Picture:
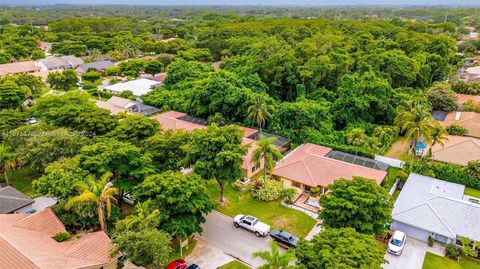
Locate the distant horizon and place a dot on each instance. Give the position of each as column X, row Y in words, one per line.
column 247, row 3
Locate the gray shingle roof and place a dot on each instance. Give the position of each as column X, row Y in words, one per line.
column 99, row 65
column 437, row 206
column 11, row 200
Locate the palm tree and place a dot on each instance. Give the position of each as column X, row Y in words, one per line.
column 268, row 152
column 259, row 111
column 143, row 219
column 437, row 136
column 416, row 122
column 275, row 259
column 5, row 158
column 99, row 193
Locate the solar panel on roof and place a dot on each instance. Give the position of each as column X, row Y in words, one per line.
column 194, row 119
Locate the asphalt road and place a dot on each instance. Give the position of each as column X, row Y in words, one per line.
column 239, row 243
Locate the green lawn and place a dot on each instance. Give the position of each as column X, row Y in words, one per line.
column 234, row 265
column 390, row 179
column 185, row 251
column 21, row 179
column 472, row 192
column 394, row 196
column 433, row 261
column 272, row 213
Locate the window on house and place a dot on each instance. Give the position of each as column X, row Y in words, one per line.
column 254, row 168
column 297, row 185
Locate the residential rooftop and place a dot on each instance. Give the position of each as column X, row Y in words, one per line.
column 437, row 206
column 11, row 200
column 457, row 149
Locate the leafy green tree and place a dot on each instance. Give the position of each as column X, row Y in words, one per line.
column 340, row 248
column 11, row 95
column 442, row 97
column 259, row 111
column 216, row 153
column 46, row 147
column 153, row 67
column 63, row 81
column 473, row 169
column 275, row 259
column 437, row 136
column 94, row 192
column 95, row 122
column 359, row 203
column 58, row 179
column 6, row 156
column 37, row 55
column 149, row 248
column 415, row 122
column 91, row 75
column 124, row 160
column 195, row 54
column 34, row 83
column 132, row 67
column 135, row 129
column 181, row 199
column 181, row 70
column 166, row 149
column 11, row 119
column 267, row 152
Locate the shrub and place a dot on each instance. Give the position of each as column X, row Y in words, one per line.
column 473, row 169
column 91, row 76
column 268, row 190
column 452, row 251
column 62, row 236
column 431, row 240
column 238, row 185
column 454, row 173
column 126, row 94
column 456, row 129
column 288, row 195
column 315, row 191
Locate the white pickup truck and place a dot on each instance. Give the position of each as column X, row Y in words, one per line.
column 252, row 224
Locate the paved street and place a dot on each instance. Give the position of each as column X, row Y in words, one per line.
column 208, row 256
column 238, row 243
column 412, row 256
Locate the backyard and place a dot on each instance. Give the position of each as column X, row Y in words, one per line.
column 472, row 192
column 272, row 213
column 21, row 179
column 433, row 261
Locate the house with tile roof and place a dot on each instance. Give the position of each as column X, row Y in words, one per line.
column 58, row 63
column 310, row 165
column 98, row 65
column 18, row 68
column 468, row 120
column 463, row 98
column 138, row 87
column 26, row 242
column 431, row 207
column 174, row 120
column 457, row 149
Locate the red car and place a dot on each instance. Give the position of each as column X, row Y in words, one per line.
column 177, row 264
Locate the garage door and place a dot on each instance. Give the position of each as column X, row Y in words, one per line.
column 411, row 231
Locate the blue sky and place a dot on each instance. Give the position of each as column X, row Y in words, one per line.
column 245, row 2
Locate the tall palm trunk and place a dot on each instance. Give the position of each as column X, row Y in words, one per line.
column 101, row 216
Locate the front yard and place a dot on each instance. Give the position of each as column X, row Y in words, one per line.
column 433, row 261
column 234, row 265
column 272, row 213
column 472, row 192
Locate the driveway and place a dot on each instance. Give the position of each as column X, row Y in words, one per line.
column 412, row 256
column 207, row 256
column 238, row 243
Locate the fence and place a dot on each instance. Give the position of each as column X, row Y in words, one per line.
column 393, row 188
column 390, row 161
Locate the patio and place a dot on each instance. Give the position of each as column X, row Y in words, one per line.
column 304, row 201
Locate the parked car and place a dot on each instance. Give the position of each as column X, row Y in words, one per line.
column 475, row 201
column 193, row 266
column 177, row 264
column 127, row 198
column 252, row 224
column 284, row 238
column 396, row 243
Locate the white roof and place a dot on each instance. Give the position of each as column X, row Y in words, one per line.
column 139, row 87
column 474, row 70
column 437, row 206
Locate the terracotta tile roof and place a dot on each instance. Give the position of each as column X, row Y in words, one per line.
column 114, row 110
column 462, row 98
column 248, row 131
column 169, row 121
column 469, row 120
column 457, row 149
column 308, row 165
column 26, row 241
column 17, row 68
